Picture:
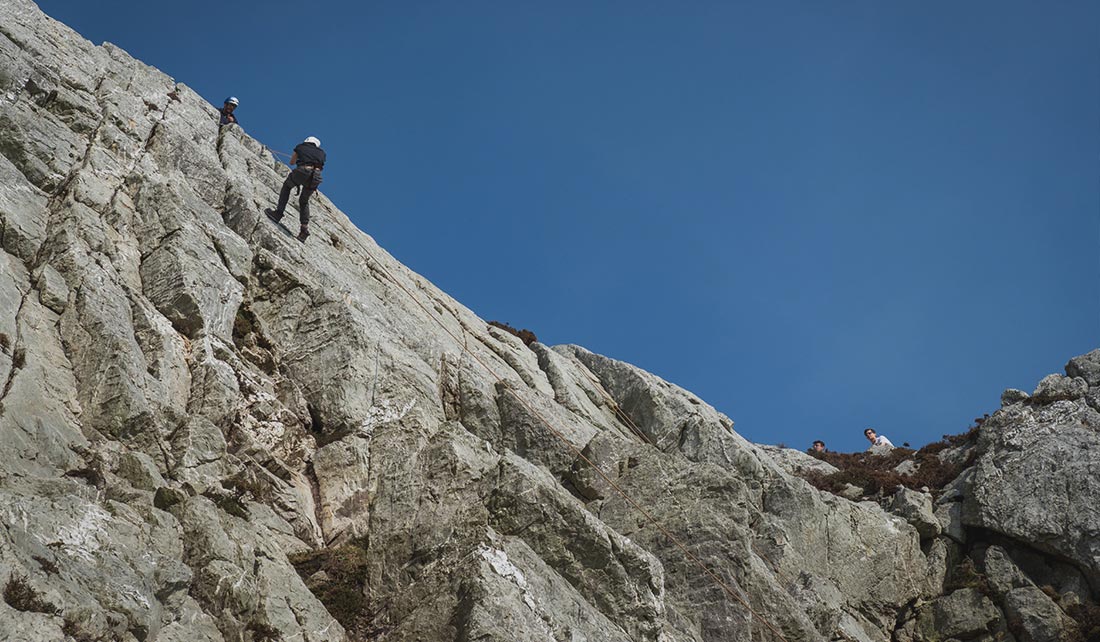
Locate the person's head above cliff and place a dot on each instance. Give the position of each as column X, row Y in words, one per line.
column 227, row 115
column 876, row 439
column 818, row 446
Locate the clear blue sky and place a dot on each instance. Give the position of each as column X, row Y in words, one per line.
column 818, row 216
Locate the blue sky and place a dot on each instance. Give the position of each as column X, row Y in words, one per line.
column 818, row 216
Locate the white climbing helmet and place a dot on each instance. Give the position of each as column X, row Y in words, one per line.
column 313, row 141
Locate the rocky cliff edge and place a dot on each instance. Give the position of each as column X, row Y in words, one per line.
column 212, row 432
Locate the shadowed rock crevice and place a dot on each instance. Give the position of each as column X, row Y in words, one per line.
column 18, row 356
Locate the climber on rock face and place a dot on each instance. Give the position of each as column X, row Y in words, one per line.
column 227, row 110
column 310, row 159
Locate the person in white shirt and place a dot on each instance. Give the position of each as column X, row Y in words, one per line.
column 876, row 440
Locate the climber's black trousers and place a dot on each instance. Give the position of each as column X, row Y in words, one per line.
column 308, row 179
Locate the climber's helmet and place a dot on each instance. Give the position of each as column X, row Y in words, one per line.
column 312, row 140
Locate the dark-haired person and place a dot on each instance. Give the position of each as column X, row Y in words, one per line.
column 876, row 439
column 310, row 160
column 818, row 446
column 227, row 115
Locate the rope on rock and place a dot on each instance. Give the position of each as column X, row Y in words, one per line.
column 638, row 507
column 615, row 408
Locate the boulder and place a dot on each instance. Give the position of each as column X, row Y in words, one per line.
column 880, row 449
column 1035, row 480
column 1087, row 367
column 963, row 614
column 1001, row 571
column 907, row 467
column 1012, row 395
column 916, row 508
column 52, row 290
column 1055, row 387
column 140, row 470
column 796, row 462
column 1035, row 617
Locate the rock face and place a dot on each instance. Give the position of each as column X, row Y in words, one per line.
column 1039, row 476
column 916, row 508
column 215, row 433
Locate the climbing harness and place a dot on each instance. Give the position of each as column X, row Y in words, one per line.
column 314, row 180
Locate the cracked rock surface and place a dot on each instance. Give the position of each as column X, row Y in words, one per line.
column 213, row 432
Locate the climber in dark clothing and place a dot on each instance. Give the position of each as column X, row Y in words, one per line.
column 310, row 160
column 227, row 115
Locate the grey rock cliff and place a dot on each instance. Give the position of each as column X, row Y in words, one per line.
column 212, row 432
column 1039, row 476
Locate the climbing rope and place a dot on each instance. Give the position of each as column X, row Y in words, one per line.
column 619, row 413
column 638, row 507
column 277, row 152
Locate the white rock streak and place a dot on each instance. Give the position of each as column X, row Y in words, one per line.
column 80, row 538
column 503, row 567
column 384, row 413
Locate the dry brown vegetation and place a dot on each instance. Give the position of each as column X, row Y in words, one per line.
column 1087, row 617
column 19, row 595
column 525, row 335
column 875, row 474
column 966, row 575
column 337, row 576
